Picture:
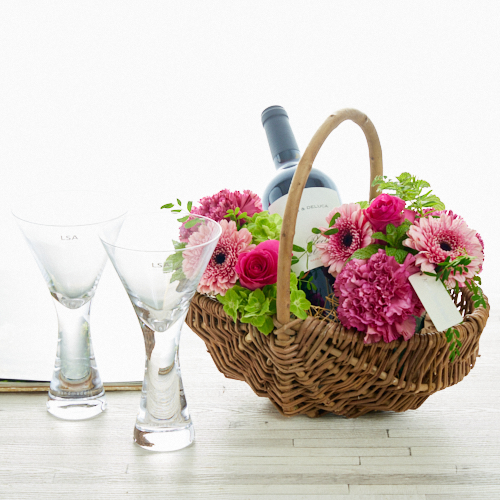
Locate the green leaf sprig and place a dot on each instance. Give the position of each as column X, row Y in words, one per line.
column 307, row 280
column 453, row 339
column 453, row 267
column 304, row 252
column 188, row 220
column 443, row 271
column 477, row 292
column 259, row 306
column 237, row 216
column 363, row 204
column 173, row 263
column 459, row 266
column 409, row 188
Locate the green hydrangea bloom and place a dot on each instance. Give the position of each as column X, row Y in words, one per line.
column 264, row 226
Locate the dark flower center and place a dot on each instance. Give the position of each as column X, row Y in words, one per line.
column 445, row 246
column 220, row 258
column 347, row 240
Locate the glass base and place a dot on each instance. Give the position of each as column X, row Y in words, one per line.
column 164, row 439
column 76, row 408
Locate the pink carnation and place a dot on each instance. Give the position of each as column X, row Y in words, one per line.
column 215, row 207
column 355, row 232
column 446, row 236
column 220, row 274
column 376, row 297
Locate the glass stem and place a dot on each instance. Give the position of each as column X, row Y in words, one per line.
column 163, row 404
column 75, row 372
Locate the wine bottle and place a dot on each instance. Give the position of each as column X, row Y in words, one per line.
column 320, row 196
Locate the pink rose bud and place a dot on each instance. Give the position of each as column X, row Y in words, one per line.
column 259, row 267
column 385, row 209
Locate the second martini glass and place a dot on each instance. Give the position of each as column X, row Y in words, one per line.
column 160, row 262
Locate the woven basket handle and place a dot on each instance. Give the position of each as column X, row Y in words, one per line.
column 295, row 194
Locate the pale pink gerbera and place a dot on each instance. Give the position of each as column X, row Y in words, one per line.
column 220, row 274
column 446, row 236
column 196, row 254
column 376, row 297
column 355, row 232
column 215, row 207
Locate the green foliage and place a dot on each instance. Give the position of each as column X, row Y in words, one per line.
column 307, row 281
column 453, row 338
column 173, row 263
column 259, row 306
column 394, row 237
column 363, row 204
column 397, row 253
column 299, row 304
column 478, row 296
column 264, row 226
column 409, row 188
column 186, row 220
column 366, row 252
column 443, row 271
column 328, row 232
column 452, row 267
column 334, row 219
column 237, row 216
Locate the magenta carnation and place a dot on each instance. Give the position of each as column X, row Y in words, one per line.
column 215, row 207
column 435, row 239
column 354, row 232
column 376, row 297
column 220, row 274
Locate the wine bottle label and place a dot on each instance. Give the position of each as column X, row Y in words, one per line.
column 316, row 203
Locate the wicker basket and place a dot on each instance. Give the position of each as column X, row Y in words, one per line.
column 316, row 365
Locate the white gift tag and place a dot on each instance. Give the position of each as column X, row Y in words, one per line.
column 438, row 304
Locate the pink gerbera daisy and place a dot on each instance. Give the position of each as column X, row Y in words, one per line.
column 446, row 236
column 220, row 274
column 354, row 232
column 195, row 254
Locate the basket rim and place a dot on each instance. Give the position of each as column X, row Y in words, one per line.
column 477, row 314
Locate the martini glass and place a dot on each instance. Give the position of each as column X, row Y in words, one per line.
column 61, row 231
column 160, row 262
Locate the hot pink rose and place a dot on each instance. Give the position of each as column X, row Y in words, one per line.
column 259, row 267
column 385, row 209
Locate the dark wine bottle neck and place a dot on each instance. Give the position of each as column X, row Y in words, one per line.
column 284, row 148
column 288, row 158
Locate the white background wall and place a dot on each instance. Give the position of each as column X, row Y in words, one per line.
column 154, row 100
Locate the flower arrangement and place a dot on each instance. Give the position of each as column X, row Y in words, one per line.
column 373, row 248
column 370, row 248
column 243, row 269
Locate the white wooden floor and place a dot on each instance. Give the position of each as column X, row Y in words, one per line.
column 448, row 449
